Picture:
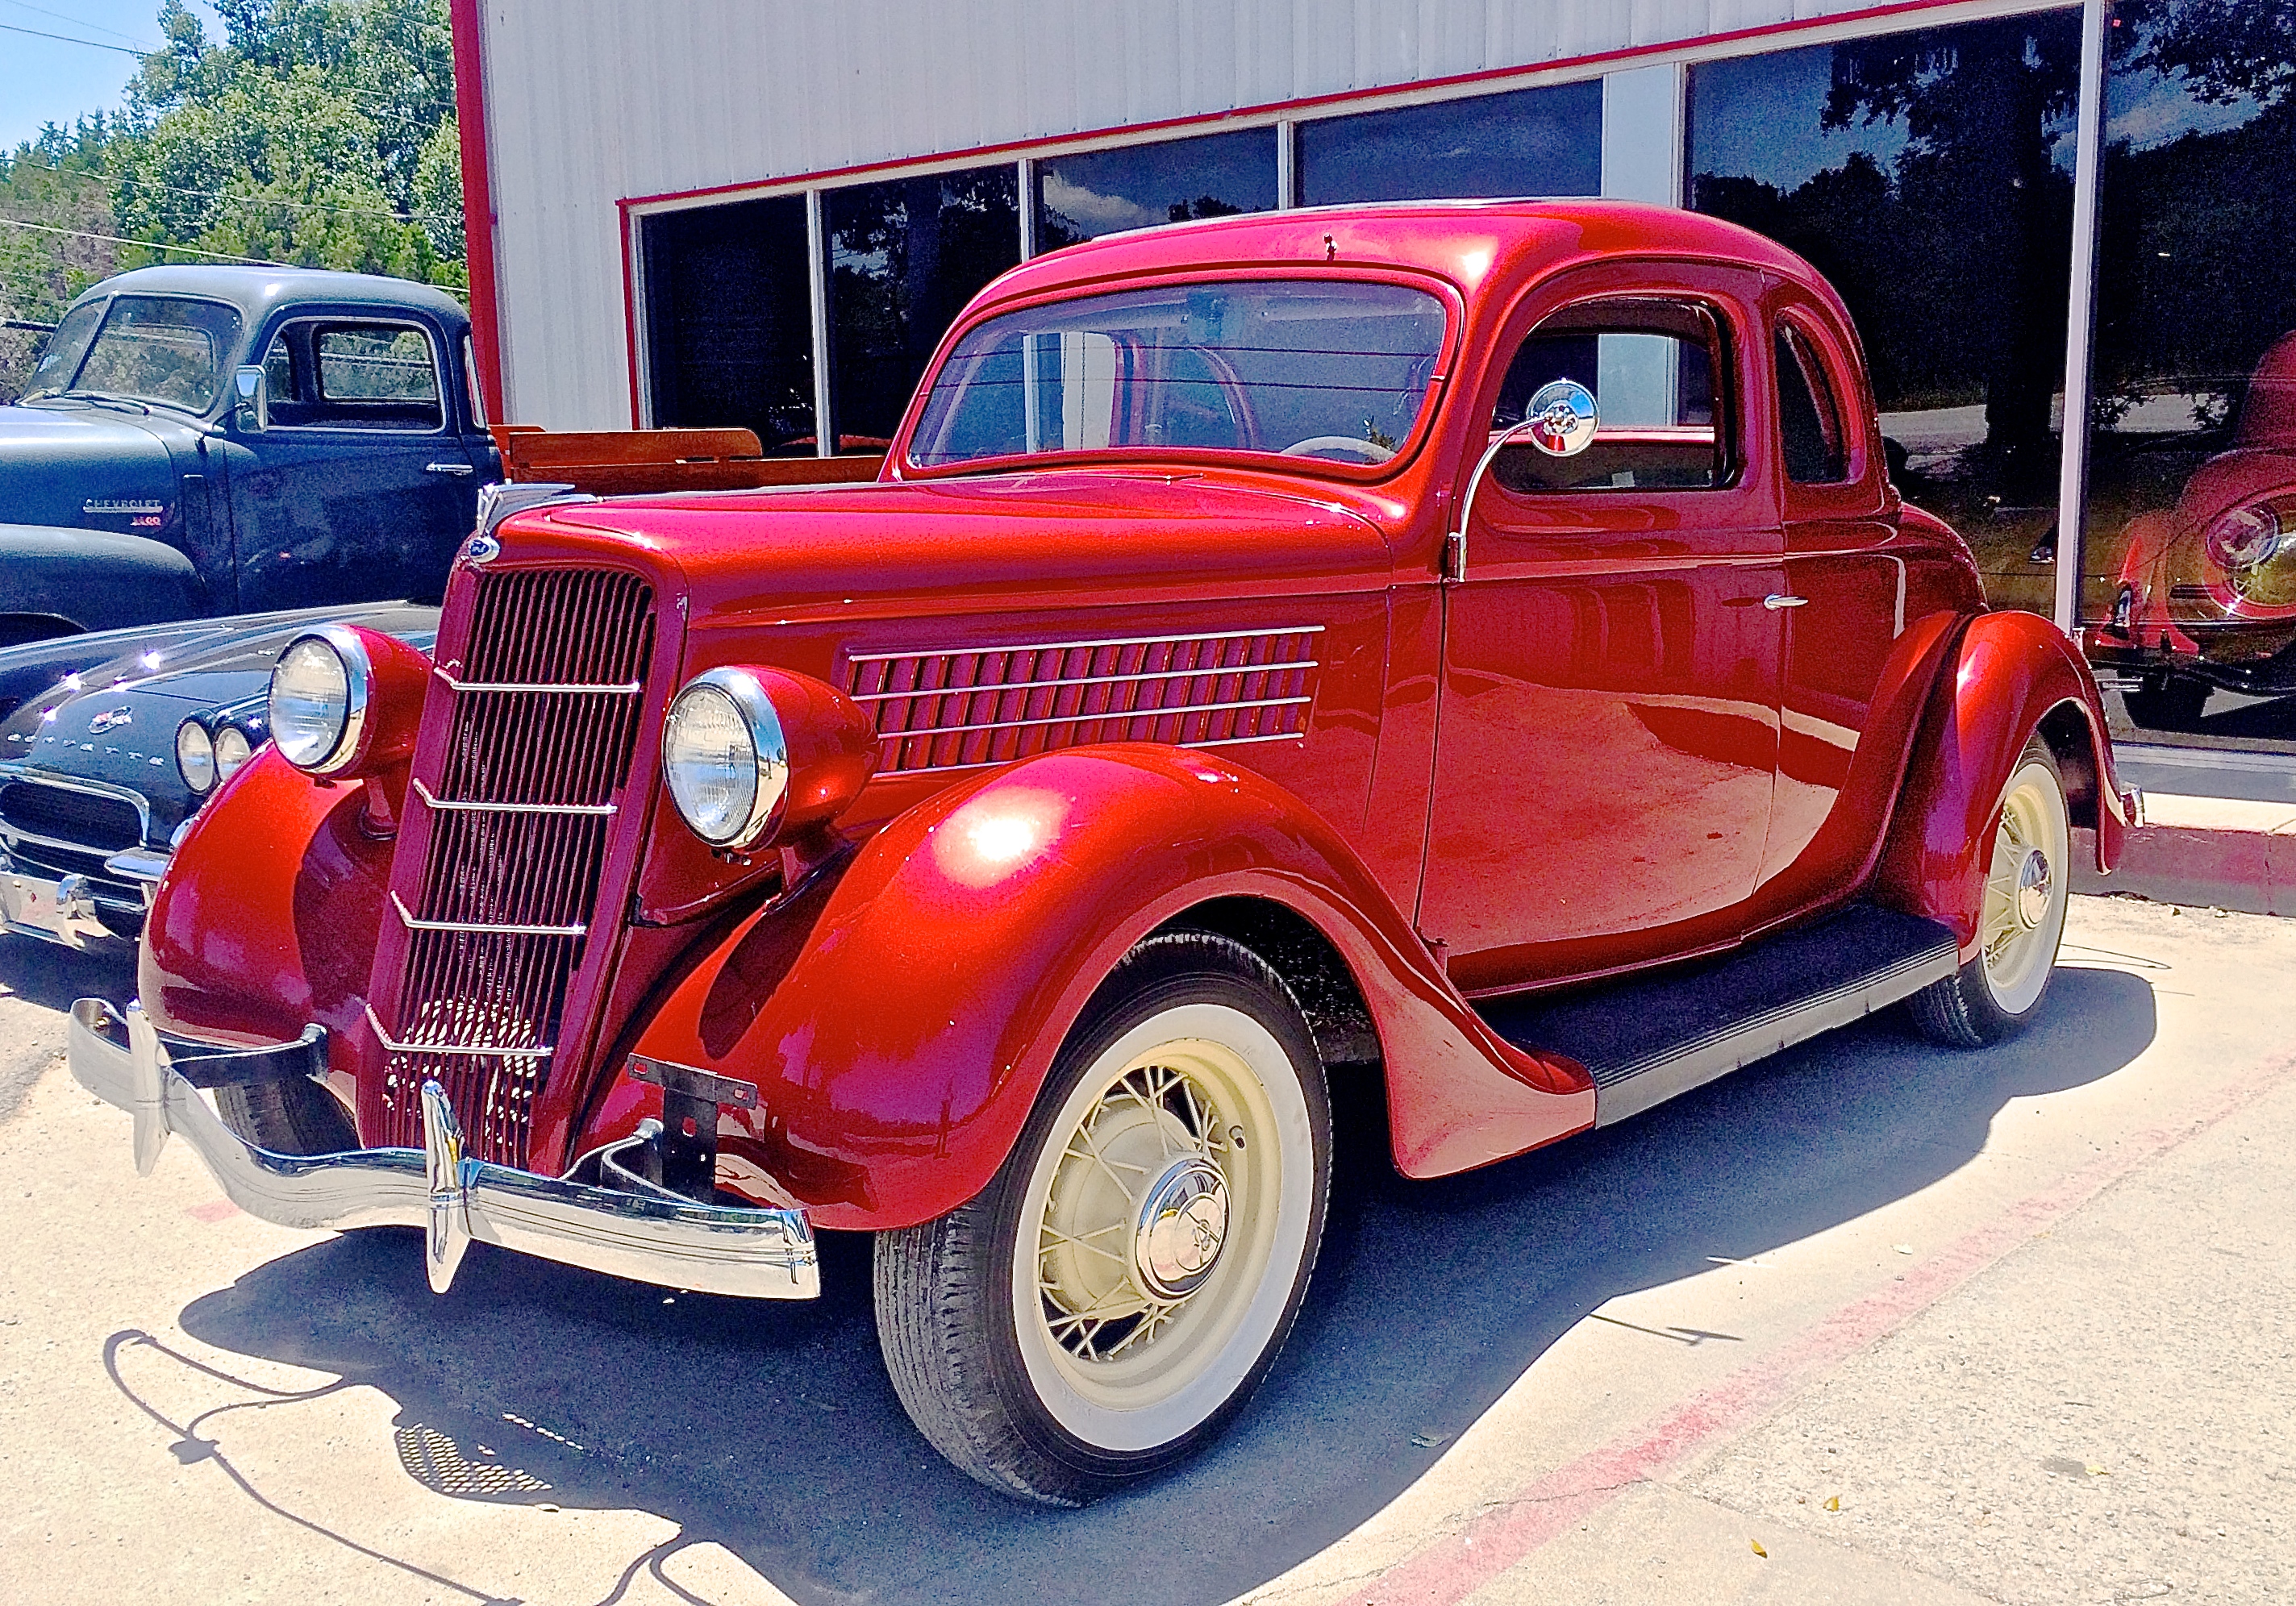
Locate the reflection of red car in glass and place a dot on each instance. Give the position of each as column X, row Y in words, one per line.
column 2208, row 589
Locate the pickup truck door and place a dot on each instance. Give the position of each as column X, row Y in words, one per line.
column 364, row 484
column 1607, row 737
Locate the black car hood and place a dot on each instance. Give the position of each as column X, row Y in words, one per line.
column 89, row 465
column 116, row 722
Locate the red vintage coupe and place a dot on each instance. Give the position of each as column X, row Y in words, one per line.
column 2207, row 596
column 1466, row 652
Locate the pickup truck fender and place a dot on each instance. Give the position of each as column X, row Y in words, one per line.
column 267, row 917
column 62, row 581
column 2010, row 674
column 898, row 1024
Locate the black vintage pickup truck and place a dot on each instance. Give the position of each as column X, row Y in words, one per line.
column 214, row 440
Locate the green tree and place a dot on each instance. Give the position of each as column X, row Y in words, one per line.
column 54, row 182
column 316, row 132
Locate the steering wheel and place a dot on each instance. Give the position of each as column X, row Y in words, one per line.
column 1342, row 447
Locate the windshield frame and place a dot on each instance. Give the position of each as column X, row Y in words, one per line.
column 1445, row 293
column 227, row 359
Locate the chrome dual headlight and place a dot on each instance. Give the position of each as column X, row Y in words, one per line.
column 206, row 758
column 319, row 694
column 724, row 758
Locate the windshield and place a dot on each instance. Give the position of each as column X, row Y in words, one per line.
column 1306, row 368
column 60, row 358
column 160, row 348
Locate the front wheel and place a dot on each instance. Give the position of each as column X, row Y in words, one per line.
column 2020, row 919
column 1113, row 1297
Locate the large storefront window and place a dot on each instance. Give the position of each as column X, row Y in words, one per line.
column 1529, row 142
column 1096, row 193
column 904, row 258
column 729, row 320
column 2189, row 589
column 1929, row 176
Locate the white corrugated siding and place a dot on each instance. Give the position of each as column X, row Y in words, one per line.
column 592, row 101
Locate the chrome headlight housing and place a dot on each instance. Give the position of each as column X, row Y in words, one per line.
column 724, row 758
column 196, row 756
column 319, row 694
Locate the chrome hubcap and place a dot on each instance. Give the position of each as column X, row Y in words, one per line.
column 2033, row 889
column 1180, row 1228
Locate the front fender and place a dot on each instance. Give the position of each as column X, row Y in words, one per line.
column 899, row 1023
column 98, row 579
column 267, row 917
column 2013, row 674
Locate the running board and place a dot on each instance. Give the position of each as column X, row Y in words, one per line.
column 1646, row 1040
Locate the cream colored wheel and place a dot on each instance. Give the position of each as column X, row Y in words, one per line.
column 2020, row 915
column 1114, row 1295
column 1184, row 1173
column 2022, row 919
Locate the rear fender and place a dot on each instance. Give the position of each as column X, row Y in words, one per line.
column 2011, row 674
column 267, row 917
column 899, row 1023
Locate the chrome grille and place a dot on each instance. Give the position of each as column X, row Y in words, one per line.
column 543, row 714
column 939, row 709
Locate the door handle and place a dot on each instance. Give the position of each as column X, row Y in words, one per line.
column 458, row 469
column 1776, row 601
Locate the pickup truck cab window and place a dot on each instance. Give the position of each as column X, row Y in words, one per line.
column 1650, row 367
column 1338, row 370
column 61, row 358
column 170, row 350
column 331, row 374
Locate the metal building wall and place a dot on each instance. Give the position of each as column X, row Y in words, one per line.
column 592, row 101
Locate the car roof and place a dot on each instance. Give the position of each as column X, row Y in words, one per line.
column 1461, row 241
column 255, row 290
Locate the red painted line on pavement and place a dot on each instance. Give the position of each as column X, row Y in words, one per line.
column 1456, row 1565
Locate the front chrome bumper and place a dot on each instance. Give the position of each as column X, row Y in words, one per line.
column 756, row 1254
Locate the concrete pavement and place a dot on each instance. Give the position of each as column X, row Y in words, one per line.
column 1922, row 1327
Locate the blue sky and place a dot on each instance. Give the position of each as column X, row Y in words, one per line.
column 49, row 81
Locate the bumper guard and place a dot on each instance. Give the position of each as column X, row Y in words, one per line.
column 756, row 1254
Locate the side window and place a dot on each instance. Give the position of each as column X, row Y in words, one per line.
column 1810, row 418
column 1652, row 368
column 333, row 376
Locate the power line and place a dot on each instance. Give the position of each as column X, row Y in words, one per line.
column 68, row 39
column 149, row 245
column 225, row 195
column 26, row 5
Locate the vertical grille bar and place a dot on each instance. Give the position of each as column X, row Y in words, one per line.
column 483, row 1009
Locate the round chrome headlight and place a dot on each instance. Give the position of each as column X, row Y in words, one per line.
column 231, row 750
column 318, row 699
column 724, row 758
column 195, row 755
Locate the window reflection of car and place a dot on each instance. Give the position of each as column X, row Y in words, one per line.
column 2207, row 593
column 100, row 774
column 208, row 441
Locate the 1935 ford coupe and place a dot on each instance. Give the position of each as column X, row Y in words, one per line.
column 1474, row 646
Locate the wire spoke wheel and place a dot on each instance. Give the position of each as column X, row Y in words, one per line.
column 2020, row 915
column 1114, row 1297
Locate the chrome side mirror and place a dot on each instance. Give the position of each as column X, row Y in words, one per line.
column 1455, row 546
column 252, row 405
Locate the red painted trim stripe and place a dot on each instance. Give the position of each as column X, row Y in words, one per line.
column 478, row 201
column 1458, row 1564
column 1207, row 121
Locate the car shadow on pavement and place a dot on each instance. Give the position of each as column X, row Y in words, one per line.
column 772, row 1432
column 50, row 976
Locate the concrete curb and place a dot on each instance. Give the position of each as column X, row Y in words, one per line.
column 2214, row 852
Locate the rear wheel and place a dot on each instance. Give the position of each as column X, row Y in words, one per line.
column 2020, row 919
column 1114, row 1295
column 296, row 1116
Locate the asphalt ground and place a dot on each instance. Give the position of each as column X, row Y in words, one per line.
column 1868, row 1323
